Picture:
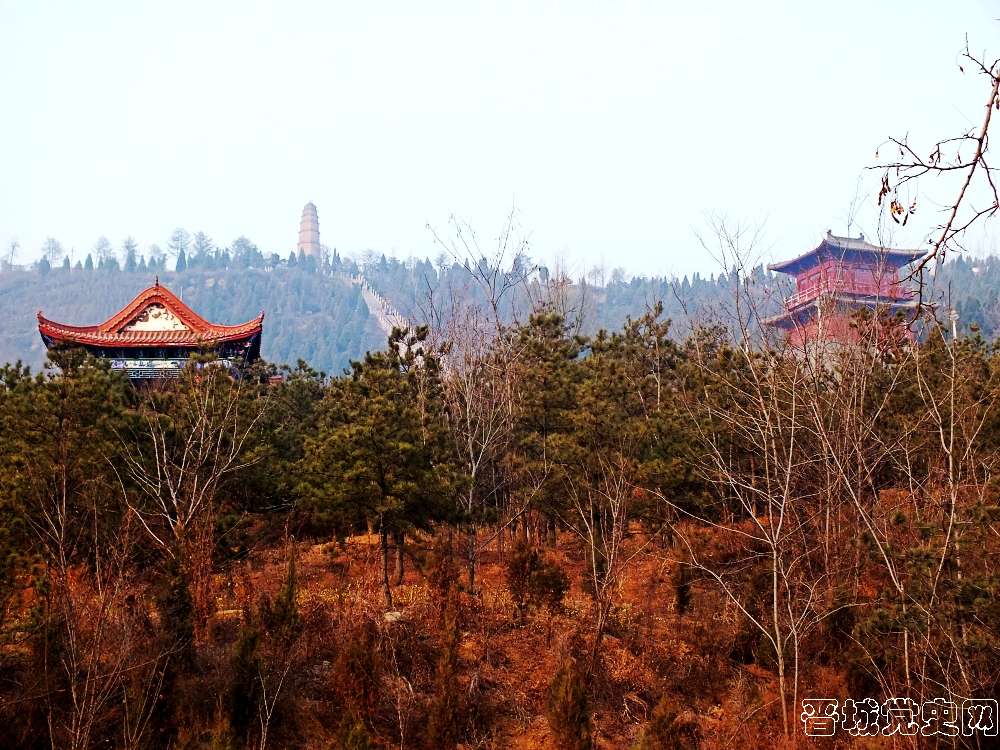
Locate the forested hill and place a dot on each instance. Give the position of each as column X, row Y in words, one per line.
column 319, row 318
column 318, row 315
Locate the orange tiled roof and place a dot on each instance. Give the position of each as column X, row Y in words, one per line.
column 118, row 330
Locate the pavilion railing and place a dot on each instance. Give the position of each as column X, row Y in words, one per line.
column 893, row 292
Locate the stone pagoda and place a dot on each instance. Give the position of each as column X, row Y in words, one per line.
column 309, row 231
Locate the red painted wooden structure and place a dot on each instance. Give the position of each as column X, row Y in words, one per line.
column 839, row 277
column 154, row 335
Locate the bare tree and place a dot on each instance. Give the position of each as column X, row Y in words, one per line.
column 836, row 468
column 478, row 396
column 187, row 445
column 140, row 694
column 12, row 249
column 156, row 253
column 497, row 272
column 103, row 249
column 766, row 517
column 180, row 242
column 52, row 250
column 755, row 408
column 964, row 157
column 470, row 323
column 599, row 515
column 102, row 646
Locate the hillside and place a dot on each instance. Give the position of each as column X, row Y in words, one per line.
column 318, row 316
column 655, row 547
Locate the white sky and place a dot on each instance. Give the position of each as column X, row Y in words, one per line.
column 614, row 127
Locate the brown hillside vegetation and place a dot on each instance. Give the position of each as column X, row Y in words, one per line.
column 352, row 659
column 529, row 539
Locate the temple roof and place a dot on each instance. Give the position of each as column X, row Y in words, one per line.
column 846, row 248
column 801, row 313
column 156, row 317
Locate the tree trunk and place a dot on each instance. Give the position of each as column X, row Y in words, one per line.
column 779, row 645
column 603, row 612
column 471, row 558
column 386, row 588
column 398, row 539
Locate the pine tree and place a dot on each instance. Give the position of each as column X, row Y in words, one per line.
column 179, row 242
column 52, row 251
column 568, row 708
column 201, row 248
column 129, row 251
column 443, row 725
column 103, row 249
column 546, row 377
column 381, row 454
column 244, row 691
column 156, row 257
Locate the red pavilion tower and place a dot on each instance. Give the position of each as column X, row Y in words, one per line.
column 836, row 279
column 154, row 335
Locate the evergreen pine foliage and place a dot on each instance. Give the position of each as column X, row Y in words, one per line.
column 244, row 690
column 568, row 708
column 281, row 618
column 444, row 721
column 533, row 580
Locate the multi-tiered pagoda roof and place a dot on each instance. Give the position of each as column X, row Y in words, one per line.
column 841, row 275
column 154, row 334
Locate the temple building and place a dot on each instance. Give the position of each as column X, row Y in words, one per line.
column 309, row 231
column 154, row 335
column 835, row 280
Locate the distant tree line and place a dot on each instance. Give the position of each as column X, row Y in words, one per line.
column 184, row 251
column 426, row 291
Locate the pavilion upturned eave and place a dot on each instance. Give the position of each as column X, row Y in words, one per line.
column 194, row 331
column 801, row 313
column 848, row 249
column 144, row 339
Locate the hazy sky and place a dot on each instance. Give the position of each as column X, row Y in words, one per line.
column 615, row 128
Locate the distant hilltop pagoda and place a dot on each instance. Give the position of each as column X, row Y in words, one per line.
column 154, row 334
column 309, row 231
column 839, row 277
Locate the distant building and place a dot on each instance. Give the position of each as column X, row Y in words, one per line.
column 154, row 335
column 835, row 280
column 309, row 231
